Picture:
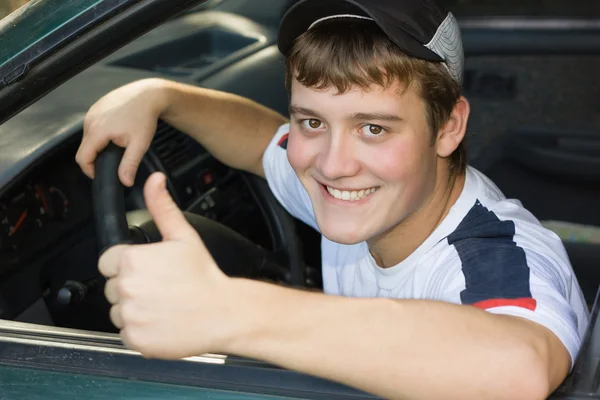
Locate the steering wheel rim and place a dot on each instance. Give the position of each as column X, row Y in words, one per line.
column 112, row 227
column 108, row 198
column 282, row 227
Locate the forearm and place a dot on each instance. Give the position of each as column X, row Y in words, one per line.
column 396, row 349
column 235, row 130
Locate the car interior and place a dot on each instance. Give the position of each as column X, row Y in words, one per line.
column 533, row 130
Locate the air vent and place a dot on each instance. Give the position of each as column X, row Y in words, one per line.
column 174, row 148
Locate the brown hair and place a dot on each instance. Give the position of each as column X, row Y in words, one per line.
column 327, row 56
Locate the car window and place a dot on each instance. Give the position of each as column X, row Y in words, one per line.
column 34, row 21
column 8, row 6
column 524, row 8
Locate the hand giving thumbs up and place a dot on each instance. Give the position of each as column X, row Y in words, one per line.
column 170, row 299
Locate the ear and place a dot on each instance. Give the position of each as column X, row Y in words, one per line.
column 452, row 133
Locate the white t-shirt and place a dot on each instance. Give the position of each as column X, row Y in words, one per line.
column 489, row 252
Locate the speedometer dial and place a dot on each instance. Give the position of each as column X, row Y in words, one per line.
column 19, row 214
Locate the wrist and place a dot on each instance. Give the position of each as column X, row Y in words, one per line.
column 155, row 94
column 160, row 90
column 172, row 98
column 247, row 315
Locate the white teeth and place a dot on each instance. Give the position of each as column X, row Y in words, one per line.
column 350, row 196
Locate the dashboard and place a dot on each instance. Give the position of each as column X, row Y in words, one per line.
column 47, row 237
column 40, row 209
column 48, row 242
column 54, row 198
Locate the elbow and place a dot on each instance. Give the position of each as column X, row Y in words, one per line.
column 535, row 387
column 531, row 376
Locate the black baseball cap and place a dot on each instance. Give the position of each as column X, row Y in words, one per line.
column 420, row 28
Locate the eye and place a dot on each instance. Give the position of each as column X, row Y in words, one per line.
column 312, row 124
column 372, row 130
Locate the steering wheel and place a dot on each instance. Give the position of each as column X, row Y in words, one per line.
column 235, row 255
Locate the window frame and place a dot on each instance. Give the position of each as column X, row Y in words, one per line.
column 24, row 345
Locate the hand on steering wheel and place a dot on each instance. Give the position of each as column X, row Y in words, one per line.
column 234, row 254
column 157, row 289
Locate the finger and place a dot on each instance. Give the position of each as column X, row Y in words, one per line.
column 126, row 339
column 168, row 217
column 131, row 162
column 87, row 153
column 109, row 262
column 116, row 316
column 111, row 290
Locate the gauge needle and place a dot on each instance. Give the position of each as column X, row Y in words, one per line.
column 19, row 223
column 42, row 198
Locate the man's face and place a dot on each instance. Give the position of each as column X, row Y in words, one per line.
column 365, row 158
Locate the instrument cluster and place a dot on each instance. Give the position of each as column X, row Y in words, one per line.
column 39, row 209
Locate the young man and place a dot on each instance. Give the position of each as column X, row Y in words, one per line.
column 436, row 286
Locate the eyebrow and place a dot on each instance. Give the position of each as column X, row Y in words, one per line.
column 357, row 116
column 304, row 111
column 376, row 117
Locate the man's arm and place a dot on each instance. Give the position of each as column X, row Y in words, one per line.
column 233, row 129
column 398, row 348
column 393, row 348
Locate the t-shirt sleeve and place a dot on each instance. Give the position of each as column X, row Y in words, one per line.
column 514, row 281
column 284, row 182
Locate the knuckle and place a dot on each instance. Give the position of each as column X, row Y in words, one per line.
column 129, row 314
column 115, row 316
column 80, row 158
column 127, row 339
column 135, row 339
column 89, row 127
column 109, row 290
column 87, row 121
column 103, row 267
column 125, row 289
column 129, row 259
column 120, row 140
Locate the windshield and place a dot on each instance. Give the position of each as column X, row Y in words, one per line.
column 26, row 24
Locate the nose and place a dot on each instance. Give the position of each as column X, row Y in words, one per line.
column 338, row 157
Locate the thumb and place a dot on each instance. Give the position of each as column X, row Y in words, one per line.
column 168, row 217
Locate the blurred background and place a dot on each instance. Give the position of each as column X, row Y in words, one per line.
column 463, row 8
column 8, row 6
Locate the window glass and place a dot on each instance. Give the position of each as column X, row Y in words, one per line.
column 34, row 21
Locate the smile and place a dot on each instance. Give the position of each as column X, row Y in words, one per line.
column 354, row 195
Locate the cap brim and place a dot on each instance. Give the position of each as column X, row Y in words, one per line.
column 304, row 13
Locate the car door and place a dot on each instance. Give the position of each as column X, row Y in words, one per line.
column 56, row 358
column 41, row 362
column 38, row 384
